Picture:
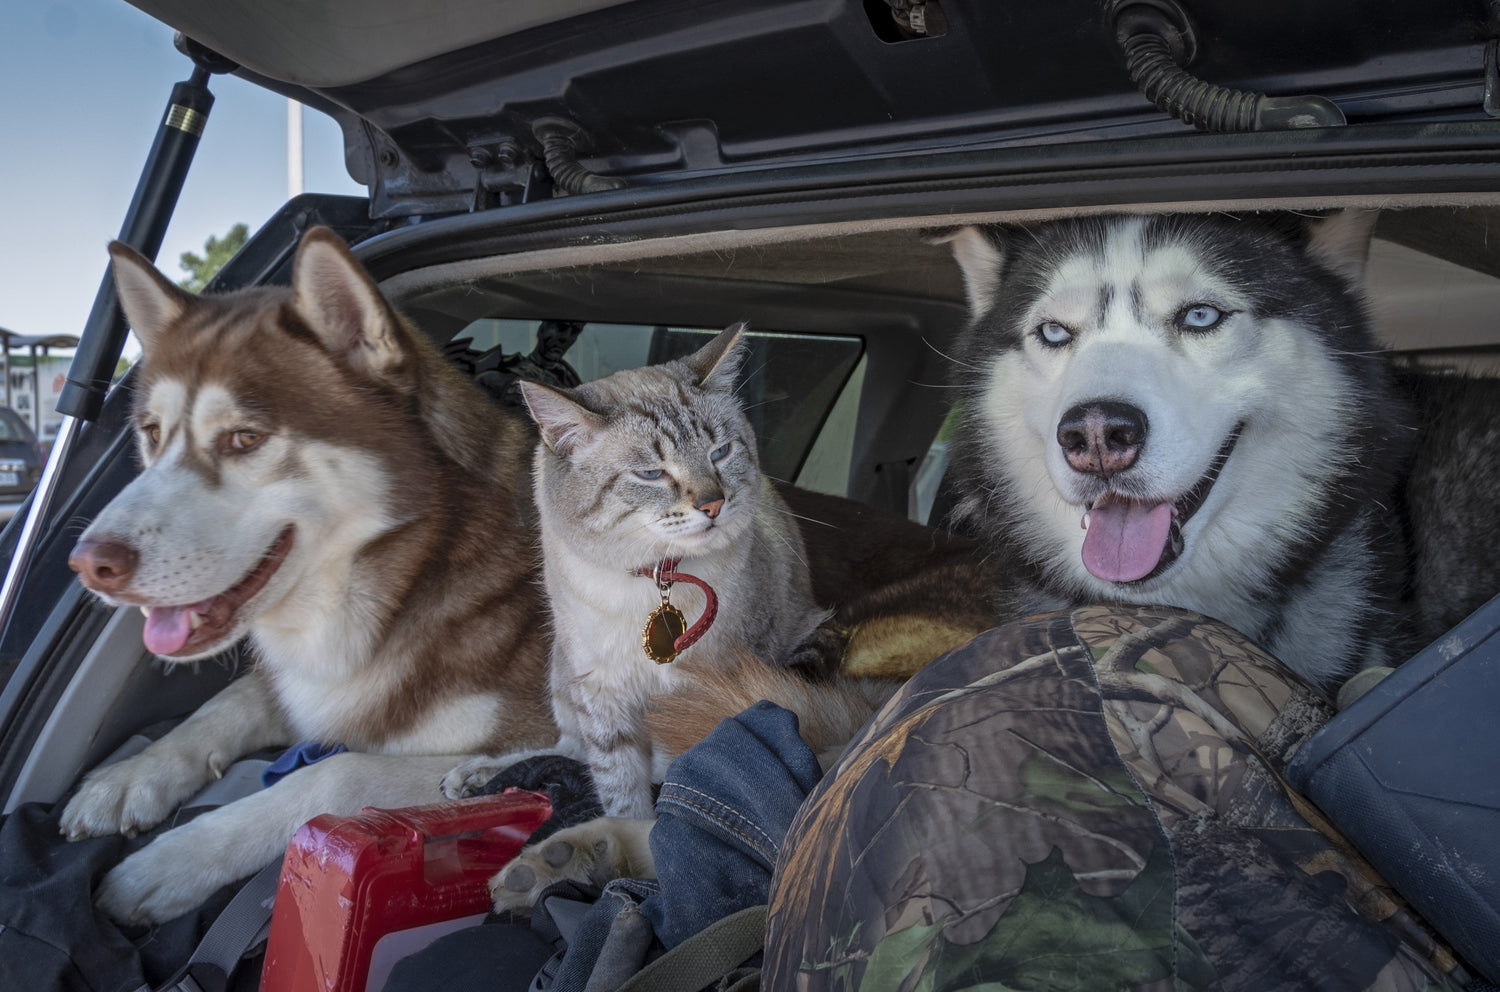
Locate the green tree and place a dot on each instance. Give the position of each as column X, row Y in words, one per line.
column 216, row 251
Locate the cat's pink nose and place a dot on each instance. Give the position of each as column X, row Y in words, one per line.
column 711, row 507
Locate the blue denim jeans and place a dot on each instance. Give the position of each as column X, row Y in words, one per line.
column 723, row 812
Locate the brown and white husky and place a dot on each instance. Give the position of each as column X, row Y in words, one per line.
column 317, row 477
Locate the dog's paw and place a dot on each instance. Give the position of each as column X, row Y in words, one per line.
column 130, row 796
column 591, row 853
column 171, row 876
column 473, row 774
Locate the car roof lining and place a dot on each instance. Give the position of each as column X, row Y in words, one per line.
column 895, row 256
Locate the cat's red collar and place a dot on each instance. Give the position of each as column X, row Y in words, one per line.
column 664, row 573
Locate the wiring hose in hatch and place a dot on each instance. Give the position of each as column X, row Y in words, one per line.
column 1156, row 38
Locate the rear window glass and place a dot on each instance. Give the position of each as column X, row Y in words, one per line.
column 11, row 428
column 790, row 380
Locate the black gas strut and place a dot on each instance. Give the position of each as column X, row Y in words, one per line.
column 103, row 336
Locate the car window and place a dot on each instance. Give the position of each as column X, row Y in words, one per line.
column 11, row 427
column 791, row 380
column 927, row 480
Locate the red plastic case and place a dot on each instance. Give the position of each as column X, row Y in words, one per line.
column 367, row 890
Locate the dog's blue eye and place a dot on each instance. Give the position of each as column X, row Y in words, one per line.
column 1054, row 334
column 719, row 453
column 1201, row 317
column 650, row 474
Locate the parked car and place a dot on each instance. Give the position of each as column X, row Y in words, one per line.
column 659, row 168
column 21, row 459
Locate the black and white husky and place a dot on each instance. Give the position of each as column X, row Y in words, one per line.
column 1190, row 411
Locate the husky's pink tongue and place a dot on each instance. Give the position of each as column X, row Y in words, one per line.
column 1125, row 539
column 168, row 628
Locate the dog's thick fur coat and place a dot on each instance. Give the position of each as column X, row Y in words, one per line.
column 318, row 477
column 1191, row 411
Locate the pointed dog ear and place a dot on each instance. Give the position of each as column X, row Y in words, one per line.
column 566, row 425
column 340, row 302
column 716, row 364
column 979, row 252
column 1342, row 241
column 150, row 300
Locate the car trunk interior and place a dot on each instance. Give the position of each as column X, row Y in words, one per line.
column 659, row 169
column 1434, row 277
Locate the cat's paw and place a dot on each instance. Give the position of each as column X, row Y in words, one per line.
column 473, row 774
column 591, row 853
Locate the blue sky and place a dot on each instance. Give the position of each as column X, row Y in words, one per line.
column 83, row 84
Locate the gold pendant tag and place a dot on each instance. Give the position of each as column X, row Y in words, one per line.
column 665, row 624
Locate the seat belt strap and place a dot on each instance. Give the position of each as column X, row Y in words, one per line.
column 705, row 957
column 242, row 925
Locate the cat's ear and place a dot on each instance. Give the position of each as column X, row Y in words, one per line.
column 566, row 426
column 716, row 364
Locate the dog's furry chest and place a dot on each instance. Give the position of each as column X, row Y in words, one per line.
column 362, row 700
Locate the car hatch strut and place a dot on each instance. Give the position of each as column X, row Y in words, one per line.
column 103, row 336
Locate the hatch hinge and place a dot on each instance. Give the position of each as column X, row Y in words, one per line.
column 505, row 173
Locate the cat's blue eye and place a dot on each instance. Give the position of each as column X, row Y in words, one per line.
column 650, row 474
column 719, row 453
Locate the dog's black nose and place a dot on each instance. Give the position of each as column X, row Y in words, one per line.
column 1102, row 438
column 104, row 566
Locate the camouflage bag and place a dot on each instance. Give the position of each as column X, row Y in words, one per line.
column 1086, row 800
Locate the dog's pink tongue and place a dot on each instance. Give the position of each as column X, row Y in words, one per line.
column 1125, row 539
column 167, row 629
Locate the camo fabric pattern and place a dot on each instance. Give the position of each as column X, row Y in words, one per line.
column 1086, row 800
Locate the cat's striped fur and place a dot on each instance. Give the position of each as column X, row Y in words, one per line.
column 642, row 465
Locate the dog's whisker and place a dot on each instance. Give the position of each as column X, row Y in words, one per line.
column 943, row 354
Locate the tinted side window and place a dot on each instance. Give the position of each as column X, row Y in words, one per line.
column 789, row 383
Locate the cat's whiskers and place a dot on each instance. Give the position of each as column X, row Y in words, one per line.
column 765, row 402
column 798, row 516
column 793, row 550
column 746, row 380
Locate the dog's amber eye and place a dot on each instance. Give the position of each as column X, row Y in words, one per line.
column 152, row 433
column 245, row 440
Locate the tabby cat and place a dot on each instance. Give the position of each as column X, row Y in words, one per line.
column 650, row 471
